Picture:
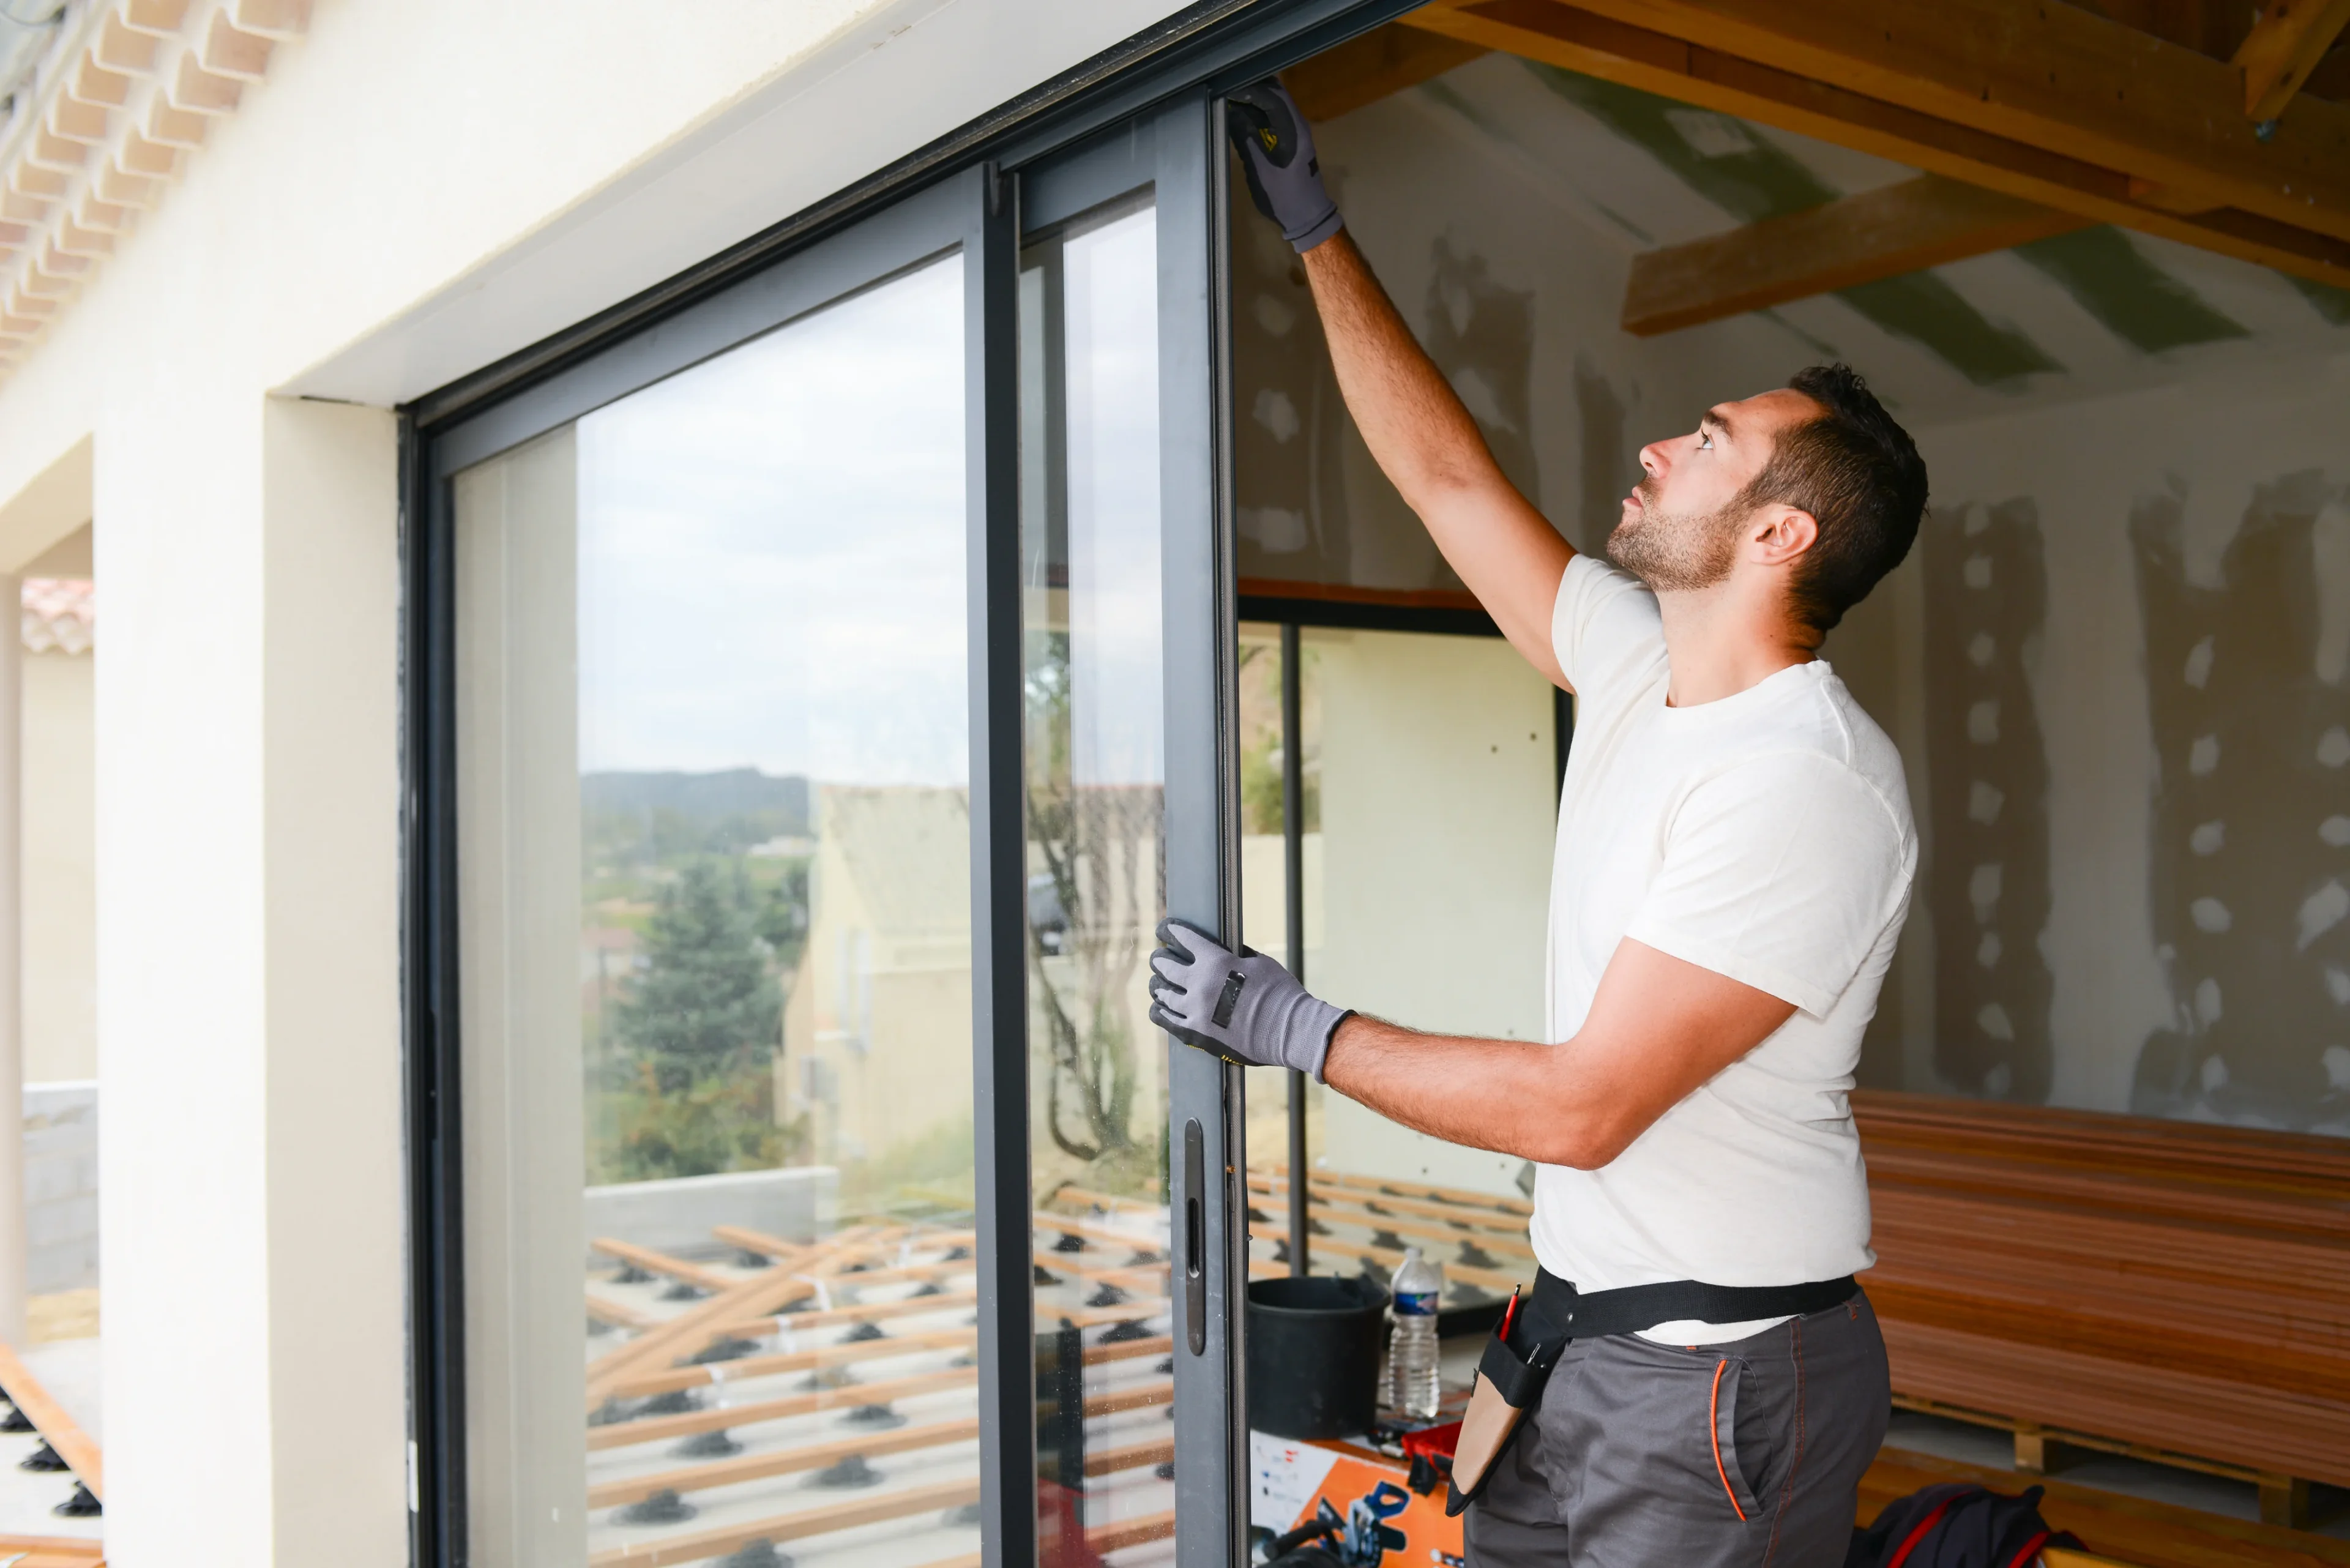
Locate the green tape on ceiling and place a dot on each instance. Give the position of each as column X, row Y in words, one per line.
column 1443, row 92
column 2139, row 302
column 1930, row 313
column 1717, row 157
column 2332, row 303
column 1752, row 178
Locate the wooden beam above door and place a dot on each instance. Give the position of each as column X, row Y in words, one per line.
column 1777, row 64
column 1886, row 233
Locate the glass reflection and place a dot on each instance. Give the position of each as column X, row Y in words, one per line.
column 715, row 862
column 1096, row 808
column 1429, row 776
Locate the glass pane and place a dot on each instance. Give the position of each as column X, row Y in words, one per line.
column 714, row 868
column 1089, row 518
column 1430, row 811
column 1264, row 906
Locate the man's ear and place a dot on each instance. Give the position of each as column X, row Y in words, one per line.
column 1783, row 533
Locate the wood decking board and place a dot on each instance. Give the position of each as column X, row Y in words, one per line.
column 657, row 1428
column 871, row 1445
column 1365, row 1211
column 1470, row 1223
column 692, row 1547
column 58, row 1429
column 51, row 1551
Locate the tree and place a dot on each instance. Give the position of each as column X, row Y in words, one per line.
column 698, row 1028
column 1089, row 920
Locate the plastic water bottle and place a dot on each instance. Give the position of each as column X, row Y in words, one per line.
column 1411, row 1341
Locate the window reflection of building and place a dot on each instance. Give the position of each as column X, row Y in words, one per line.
column 877, row 1026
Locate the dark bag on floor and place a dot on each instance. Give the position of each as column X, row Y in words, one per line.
column 1957, row 1525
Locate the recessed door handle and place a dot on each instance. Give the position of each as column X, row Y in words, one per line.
column 1195, row 1239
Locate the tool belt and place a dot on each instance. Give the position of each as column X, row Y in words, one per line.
column 1528, row 1344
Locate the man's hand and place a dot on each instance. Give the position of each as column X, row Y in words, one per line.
column 1285, row 178
column 1242, row 1006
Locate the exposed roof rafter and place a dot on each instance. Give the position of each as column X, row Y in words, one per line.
column 1886, row 233
column 2042, row 146
column 2284, row 47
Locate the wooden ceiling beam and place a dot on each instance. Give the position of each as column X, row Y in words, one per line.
column 1370, row 66
column 2283, row 47
column 1886, row 233
column 1579, row 40
column 2057, row 76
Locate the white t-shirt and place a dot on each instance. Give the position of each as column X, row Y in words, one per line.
column 1765, row 837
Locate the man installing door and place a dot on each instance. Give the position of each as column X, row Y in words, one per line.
column 1733, row 866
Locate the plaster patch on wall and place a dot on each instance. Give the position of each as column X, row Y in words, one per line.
column 1482, row 336
column 1312, row 504
column 1986, row 604
column 2246, row 872
column 1286, row 453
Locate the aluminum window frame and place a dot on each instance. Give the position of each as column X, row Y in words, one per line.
column 957, row 193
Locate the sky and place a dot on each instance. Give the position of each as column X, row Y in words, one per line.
column 771, row 552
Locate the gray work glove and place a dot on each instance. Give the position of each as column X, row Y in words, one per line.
column 1244, row 1007
column 1276, row 148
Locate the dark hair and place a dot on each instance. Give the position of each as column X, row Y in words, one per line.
column 1859, row 475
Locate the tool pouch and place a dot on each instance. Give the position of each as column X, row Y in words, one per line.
column 1510, row 1378
column 1509, row 1381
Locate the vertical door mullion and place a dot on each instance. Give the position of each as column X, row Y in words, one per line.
column 1293, row 887
column 1204, row 1094
column 999, row 993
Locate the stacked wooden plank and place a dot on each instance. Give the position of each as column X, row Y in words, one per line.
column 2174, row 1289
column 2119, row 1530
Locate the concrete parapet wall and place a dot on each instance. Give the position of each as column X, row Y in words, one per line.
column 676, row 1215
column 61, row 1186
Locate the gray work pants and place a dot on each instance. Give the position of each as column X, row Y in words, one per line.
column 1655, row 1455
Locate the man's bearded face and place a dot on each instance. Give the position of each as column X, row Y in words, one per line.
column 1675, row 552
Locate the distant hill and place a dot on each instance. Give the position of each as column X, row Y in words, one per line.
column 780, row 804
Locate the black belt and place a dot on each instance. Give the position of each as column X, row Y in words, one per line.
column 1569, row 1313
column 1557, row 1313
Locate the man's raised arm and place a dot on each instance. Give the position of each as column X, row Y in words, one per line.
column 1415, row 424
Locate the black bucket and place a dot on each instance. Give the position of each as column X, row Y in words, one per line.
column 1313, row 1349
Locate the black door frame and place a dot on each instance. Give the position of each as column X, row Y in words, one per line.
column 957, row 194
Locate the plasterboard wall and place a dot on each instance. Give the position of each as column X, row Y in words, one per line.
column 2163, row 640
column 2074, row 941
column 415, row 190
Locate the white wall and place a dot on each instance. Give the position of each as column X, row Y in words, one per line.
column 421, row 187
column 60, row 836
column 1440, row 787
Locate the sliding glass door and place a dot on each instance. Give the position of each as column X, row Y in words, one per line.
column 821, row 693
column 714, row 831
column 1121, row 569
